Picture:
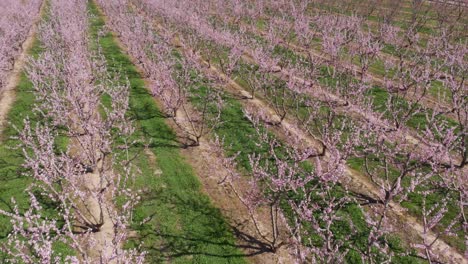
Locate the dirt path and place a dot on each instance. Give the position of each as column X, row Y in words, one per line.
column 104, row 238
column 96, row 207
column 8, row 95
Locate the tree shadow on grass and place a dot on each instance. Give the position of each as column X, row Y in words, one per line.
column 180, row 245
column 203, row 234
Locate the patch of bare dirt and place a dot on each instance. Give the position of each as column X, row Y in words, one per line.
column 95, row 208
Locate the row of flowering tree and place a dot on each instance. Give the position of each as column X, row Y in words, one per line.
column 396, row 114
column 86, row 180
column 16, row 19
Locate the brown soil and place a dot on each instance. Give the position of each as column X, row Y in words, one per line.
column 101, row 241
column 106, row 232
column 8, row 94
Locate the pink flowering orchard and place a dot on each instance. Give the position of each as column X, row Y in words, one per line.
column 234, row 131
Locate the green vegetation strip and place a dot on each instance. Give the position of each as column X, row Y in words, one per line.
column 181, row 225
